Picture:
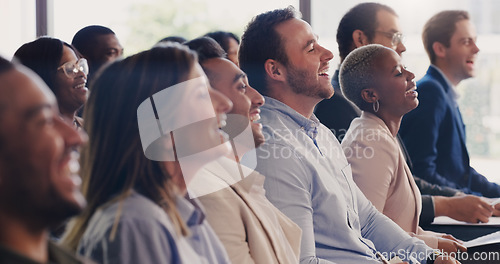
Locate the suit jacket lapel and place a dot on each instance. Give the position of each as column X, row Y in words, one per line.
column 457, row 119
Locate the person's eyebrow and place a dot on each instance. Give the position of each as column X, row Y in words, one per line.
column 314, row 40
column 395, row 67
column 467, row 39
column 239, row 76
column 34, row 111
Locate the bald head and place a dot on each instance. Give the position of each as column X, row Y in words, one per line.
column 17, row 83
column 35, row 153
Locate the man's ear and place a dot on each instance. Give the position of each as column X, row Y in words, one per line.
column 359, row 38
column 369, row 95
column 274, row 70
column 439, row 49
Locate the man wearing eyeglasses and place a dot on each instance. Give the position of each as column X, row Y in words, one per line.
column 374, row 23
column 366, row 23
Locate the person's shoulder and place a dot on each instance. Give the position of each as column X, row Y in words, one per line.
column 135, row 206
column 132, row 212
column 367, row 125
column 271, row 118
column 429, row 84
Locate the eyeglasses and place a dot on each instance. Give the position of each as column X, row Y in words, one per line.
column 71, row 69
column 396, row 37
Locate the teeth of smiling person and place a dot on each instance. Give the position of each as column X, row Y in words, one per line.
column 80, row 86
column 412, row 90
column 221, row 120
column 255, row 118
column 325, row 71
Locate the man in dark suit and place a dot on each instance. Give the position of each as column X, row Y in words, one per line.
column 369, row 23
column 434, row 132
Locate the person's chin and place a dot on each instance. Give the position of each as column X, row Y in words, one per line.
column 64, row 206
column 326, row 92
column 471, row 74
column 72, row 200
column 258, row 140
column 68, row 191
column 258, row 135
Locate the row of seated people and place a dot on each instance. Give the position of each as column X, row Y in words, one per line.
column 155, row 159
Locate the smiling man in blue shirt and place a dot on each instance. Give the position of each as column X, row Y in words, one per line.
column 308, row 177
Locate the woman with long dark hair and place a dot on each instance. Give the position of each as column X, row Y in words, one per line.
column 136, row 165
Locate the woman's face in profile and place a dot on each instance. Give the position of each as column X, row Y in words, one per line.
column 395, row 85
column 206, row 109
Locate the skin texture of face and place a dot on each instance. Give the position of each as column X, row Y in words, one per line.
column 387, row 22
column 308, row 61
column 228, row 79
column 38, row 166
column 71, row 93
column 394, row 85
column 201, row 142
column 232, row 52
column 458, row 60
column 195, row 104
column 107, row 49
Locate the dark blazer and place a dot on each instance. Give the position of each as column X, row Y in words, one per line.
column 434, row 135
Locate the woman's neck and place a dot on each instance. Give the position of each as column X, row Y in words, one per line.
column 392, row 122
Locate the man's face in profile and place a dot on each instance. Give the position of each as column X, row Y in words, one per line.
column 38, row 165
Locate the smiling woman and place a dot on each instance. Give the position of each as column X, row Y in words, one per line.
column 374, row 79
column 477, row 101
column 135, row 201
column 65, row 74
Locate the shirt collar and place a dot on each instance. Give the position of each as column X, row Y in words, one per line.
column 309, row 125
column 190, row 211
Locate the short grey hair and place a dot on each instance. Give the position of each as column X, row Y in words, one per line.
column 357, row 72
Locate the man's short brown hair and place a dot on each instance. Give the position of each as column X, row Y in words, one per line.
column 440, row 28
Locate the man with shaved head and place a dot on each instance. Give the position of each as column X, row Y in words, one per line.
column 39, row 185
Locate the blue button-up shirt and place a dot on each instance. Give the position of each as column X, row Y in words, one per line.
column 146, row 235
column 309, row 180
